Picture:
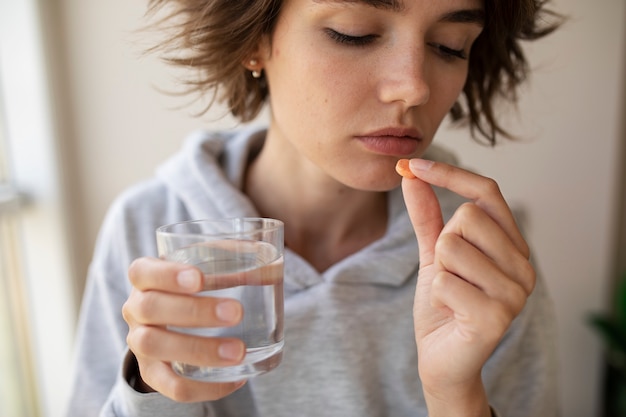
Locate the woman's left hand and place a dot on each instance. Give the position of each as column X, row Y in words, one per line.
column 474, row 279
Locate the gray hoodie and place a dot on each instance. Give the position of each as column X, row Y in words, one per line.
column 349, row 342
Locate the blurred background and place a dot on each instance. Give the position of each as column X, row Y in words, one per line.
column 81, row 118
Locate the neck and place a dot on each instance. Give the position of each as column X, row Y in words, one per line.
column 325, row 221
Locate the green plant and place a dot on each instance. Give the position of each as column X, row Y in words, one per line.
column 612, row 329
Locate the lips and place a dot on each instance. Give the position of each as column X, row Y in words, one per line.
column 398, row 141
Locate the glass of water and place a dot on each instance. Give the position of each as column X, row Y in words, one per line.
column 241, row 258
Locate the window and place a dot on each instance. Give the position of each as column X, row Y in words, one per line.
column 18, row 393
column 37, row 302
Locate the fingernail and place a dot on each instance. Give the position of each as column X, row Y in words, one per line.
column 188, row 279
column 231, row 351
column 421, row 164
column 228, row 311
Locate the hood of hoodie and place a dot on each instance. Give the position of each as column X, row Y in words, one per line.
column 207, row 174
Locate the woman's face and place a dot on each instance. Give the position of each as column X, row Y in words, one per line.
column 357, row 84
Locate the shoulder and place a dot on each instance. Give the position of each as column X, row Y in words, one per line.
column 133, row 217
column 148, row 202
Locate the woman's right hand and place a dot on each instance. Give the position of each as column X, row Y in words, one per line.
column 163, row 295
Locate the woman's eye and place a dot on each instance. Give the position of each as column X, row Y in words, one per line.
column 448, row 53
column 342, row 38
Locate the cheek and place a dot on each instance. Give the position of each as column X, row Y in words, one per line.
column 338, row 86
column 447, row 91
column 457, row 83
column 308, row 74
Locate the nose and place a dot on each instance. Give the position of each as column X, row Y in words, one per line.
column 404, row 78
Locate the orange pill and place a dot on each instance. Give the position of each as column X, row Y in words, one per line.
column 402, row 168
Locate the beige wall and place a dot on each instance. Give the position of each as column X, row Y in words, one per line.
column 116, row 128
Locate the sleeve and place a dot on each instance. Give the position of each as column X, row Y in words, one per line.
column 101, row 332
column 125, row 401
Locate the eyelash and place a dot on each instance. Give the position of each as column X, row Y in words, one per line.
column 342, row 38
column 449, row 53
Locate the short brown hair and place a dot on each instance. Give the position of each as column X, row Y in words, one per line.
column 215, row 37
column 498, row 64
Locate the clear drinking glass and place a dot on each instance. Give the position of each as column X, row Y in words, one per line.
column 241, row 258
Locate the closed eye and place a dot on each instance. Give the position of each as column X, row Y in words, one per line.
column 448, row 53
column 345, row 39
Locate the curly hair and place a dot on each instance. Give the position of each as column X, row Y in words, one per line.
column 215, row 37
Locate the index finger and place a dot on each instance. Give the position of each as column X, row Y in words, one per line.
column 483, row 191
column 177, row 277
column 156, row 274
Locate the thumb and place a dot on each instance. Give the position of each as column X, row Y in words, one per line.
column 425, row 214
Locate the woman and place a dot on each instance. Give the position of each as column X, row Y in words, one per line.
column 378, row 323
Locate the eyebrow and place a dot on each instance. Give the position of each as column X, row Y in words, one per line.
column 475, row 16
column 393, row 5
